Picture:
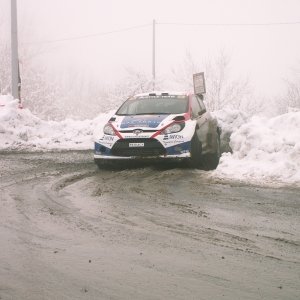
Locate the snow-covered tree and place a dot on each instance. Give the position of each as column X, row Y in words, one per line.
column 222, row 89
column 5, row 67
column 134, row 82
column 292, row 97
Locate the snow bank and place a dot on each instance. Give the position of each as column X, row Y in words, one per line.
column 229, row 121
column 20, row 129
column 264, row 150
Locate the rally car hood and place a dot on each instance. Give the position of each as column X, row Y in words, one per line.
column 142, row 121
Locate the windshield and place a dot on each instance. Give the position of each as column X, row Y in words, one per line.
column 154, row 105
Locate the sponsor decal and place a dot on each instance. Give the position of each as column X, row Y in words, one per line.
column 107, row 141
column 176, row 137
column 151, row 121
column 172, row 142
column 108, row 138
column 173, row 137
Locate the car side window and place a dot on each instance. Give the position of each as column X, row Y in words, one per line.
column 202, row 106
column 196, row 109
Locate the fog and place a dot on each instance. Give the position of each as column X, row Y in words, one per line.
column 96, row 38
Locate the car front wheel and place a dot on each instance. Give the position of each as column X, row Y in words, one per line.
column 196, row 149
column 210, row 161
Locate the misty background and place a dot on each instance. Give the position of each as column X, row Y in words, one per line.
column 79, row 58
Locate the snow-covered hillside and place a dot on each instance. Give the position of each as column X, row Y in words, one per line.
column 263, row 150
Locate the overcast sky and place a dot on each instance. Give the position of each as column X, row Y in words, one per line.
column 265, row 53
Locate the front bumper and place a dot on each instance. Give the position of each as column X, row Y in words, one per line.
column 152, row 149
column 171, row 157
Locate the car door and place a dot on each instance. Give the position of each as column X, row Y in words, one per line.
column 197, row 112
column 206, row 129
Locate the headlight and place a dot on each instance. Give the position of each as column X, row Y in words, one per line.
column 108, row 130
column 173, row 128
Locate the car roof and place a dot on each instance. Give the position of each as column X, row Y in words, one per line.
column 162, row 93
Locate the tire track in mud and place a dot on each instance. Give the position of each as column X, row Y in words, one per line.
column 199, row 232
column 34, row 193
column 159, row 212
column 147, row 183
column 220, row 234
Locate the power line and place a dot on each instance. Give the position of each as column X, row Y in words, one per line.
column 231, row 24
column 90, row 35
column 164, row 23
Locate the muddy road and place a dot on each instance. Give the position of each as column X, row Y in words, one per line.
column 68, row 231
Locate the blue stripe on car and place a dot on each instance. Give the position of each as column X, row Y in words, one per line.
column 100, row 149
column 179, row 148
column 151, row 121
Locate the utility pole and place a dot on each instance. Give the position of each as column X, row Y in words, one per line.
column 15, row 76
column 153, row 56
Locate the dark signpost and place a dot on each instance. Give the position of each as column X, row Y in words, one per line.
column 199, row 83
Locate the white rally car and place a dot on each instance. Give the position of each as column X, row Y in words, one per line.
column 160, row 126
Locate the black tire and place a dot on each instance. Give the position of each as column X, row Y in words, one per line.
column 196, row 149
column 210, row 161
column 102, row 164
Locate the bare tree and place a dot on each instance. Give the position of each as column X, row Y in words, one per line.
column 5, row 66
column 292, row 97
column 182, row 73
column 222, row 89
column 5, row 69
column 134, row 82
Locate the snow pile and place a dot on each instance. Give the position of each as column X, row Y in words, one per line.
column 264, row 150
column 20, row 129
column 257, row 150
column 229, row 121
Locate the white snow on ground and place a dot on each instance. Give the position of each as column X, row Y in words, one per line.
column 229, row 121
column 20, row 130
column 263, row 150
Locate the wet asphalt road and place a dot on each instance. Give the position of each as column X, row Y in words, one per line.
column 69, row 231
